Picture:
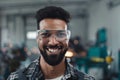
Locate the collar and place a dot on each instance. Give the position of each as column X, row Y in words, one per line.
column 34, row 71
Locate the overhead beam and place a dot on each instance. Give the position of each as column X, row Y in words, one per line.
column 73, row 9
column 25, row 3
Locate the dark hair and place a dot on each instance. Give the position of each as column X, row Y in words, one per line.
column 52, row 12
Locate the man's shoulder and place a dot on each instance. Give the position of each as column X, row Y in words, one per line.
column 82, row 75
column 13, row 76
column 21, row 74
column 18, row 75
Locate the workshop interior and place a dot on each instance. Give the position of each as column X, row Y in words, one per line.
column 94, row 45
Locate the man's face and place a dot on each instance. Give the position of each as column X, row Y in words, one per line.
column 53, row 40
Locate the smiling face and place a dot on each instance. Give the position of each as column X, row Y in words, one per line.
column 53, row 43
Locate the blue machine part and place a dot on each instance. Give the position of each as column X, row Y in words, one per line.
column 101, row 36
column 94, row 52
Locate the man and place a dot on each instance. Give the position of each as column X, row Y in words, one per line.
column 53, row 37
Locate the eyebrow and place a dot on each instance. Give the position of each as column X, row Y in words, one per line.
column 43, row 31
column 51, row 30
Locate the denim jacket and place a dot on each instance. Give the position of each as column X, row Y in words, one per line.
column 33, row 72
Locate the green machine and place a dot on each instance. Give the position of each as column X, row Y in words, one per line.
column 97, row 55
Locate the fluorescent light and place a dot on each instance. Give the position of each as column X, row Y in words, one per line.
column 31, row 35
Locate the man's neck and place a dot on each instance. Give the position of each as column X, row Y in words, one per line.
column 52, row 71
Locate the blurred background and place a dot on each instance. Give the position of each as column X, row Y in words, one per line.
column 94, row 44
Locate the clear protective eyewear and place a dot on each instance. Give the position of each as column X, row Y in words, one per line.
column 60, row 35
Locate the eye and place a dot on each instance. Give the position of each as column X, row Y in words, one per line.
column 45, row 35
column 61, row 34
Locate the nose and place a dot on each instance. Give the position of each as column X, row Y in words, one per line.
column 53, row 40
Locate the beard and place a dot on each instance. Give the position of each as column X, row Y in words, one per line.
column 53, row 59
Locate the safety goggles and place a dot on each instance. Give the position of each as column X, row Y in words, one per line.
column 59, row 35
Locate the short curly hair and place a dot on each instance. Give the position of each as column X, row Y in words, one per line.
column 52, row 12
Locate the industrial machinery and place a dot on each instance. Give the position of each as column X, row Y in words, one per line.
column 97, row 55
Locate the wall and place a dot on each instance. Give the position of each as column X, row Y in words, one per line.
column 79, row 28
column 12, row 29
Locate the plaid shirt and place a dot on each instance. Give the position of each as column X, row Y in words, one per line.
column 33, row 72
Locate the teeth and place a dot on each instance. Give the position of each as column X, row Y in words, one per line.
column 52, row 50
